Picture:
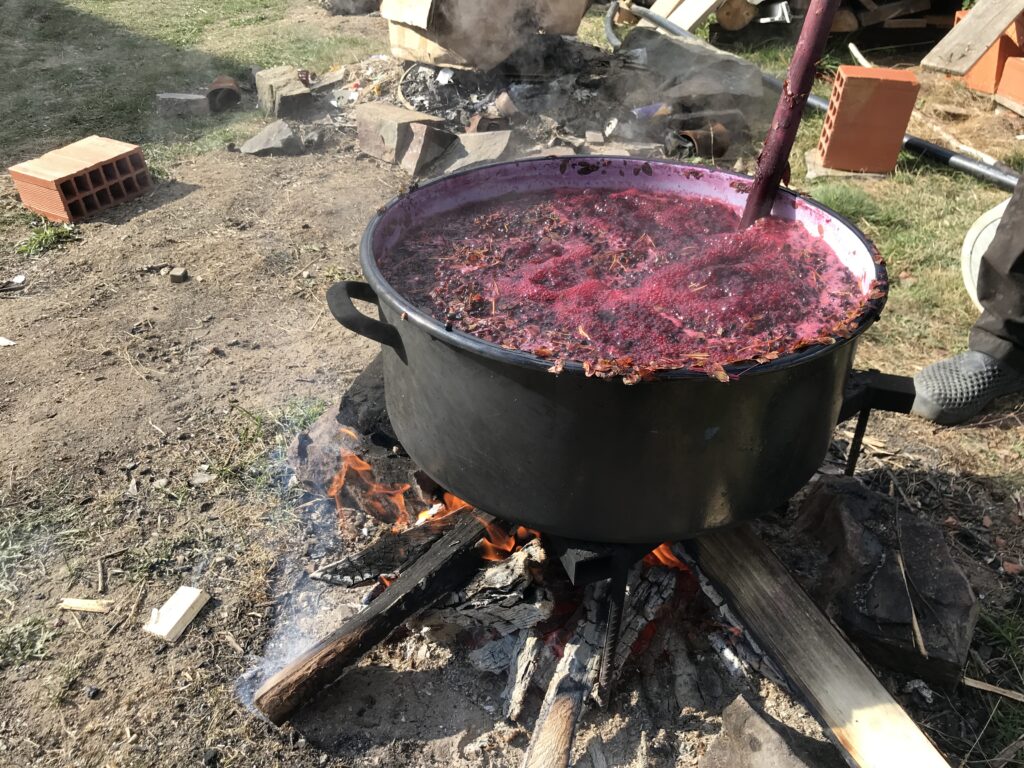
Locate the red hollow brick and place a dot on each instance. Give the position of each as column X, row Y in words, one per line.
column 872, row 109
column 985, row 75
column 1011, row 84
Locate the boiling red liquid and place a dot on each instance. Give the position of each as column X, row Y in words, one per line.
column 626, row 282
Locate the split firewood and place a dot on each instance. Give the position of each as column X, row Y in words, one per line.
column 85, row 606
column 445, row 567
column 170, row 620
column 570, row 687
column 495, row 656
column 650, row 590
column 503, row 597
column 521, row 672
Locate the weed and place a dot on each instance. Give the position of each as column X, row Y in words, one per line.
column 23, row 642
column 45, row 236
column 1003, row 631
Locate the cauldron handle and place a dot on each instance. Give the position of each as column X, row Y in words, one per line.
column 339, row 301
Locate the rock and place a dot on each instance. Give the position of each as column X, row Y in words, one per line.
column 178, row 275
column 292, row 99
column 425, row 146
column 385, row 130
column 594, row 138
column 211, row 758
column 181, row 105
column 627, row 149
column 748, row 741
column 313, row 136
column 694, row 74
column 276, row 139
column 865, row 589
column 351, row 7
column 505, row 106
column 473, row 149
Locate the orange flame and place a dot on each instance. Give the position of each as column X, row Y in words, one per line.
column 663, row 555
column 395, row 494
column 496, row 544
column 448, row 506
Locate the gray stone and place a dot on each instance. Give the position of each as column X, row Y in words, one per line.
column 627, row 149
column 178, row 275
column 385, row 130
column 473, row 149
column 181, row 105
column 691, row 73
column 872, row 597
column 276, row 139
column 594, row 138
column 748, row 741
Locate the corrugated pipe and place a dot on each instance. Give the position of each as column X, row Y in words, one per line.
column 1002, row 178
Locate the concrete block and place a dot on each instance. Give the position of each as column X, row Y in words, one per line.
column 181, row 105
column 426, row 144
column 385, row 130
column 268, row 81
column 292, row 99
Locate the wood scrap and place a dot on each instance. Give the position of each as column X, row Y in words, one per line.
column 967, row 42
column 85, row 605
column 445, row 567
column 570, row 687
column 734, row 15
column 170, row 620
column 845, row 21
column 905, row 23
column 867, row 724
column 521, row 673
column 981, row 685
column 892, row 11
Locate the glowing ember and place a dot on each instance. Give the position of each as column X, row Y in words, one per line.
column 626, row 282
column 387, row 502
column 663, row 555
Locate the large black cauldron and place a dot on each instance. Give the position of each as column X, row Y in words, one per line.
column 588, row 458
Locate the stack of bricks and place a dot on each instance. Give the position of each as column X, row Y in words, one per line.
column 81, row 179
column 867, row 116
column 989, row 72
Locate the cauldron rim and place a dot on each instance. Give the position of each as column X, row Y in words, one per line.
column 410, row 313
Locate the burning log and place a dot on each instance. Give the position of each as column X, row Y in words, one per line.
column 445, row 567
column 773, row 161
column 521, row 672
column 503, row 597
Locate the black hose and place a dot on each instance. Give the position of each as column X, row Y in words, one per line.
column 609, row 25
column 1002, row 178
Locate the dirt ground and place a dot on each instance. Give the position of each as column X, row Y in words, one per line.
column 125, row 393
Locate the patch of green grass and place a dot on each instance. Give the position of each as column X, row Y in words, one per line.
column 23, row 642
column 45, row 236
column 1003, row 632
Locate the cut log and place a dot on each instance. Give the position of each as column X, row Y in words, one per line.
column 650, row 592
column 967, row 42
column 570, row 687
column 445, row 567
column 867, row 724
column 845, row 22
column 734, row 15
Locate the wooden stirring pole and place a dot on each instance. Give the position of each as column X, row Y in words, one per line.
column 771, row 164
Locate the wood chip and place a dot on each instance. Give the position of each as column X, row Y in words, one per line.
column 85, row 606
column 174, row 616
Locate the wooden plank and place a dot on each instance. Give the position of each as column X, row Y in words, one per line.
column 85, row 606
column 172, row 618
column 692, row 13
column 1010, row 104
column 892, row 10
column 445, row 567
column 960, row 50
column 864, row 719
column 662, row 8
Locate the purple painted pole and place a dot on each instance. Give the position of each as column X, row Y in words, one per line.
column 771, row 163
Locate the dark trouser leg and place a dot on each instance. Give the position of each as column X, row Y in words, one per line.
column 999, row 331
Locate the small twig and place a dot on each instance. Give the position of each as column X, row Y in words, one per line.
column 1008, row 753
column 981, row 685
column 115, row 553
column 101, row 577
column 918, row 637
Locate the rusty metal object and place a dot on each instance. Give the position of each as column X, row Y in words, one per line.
column 224, row 93
column 713, row 142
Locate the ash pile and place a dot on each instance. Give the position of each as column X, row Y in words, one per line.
column 653, row 97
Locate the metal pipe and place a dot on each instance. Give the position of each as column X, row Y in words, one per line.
column 1003, row 178
column 609, row 26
